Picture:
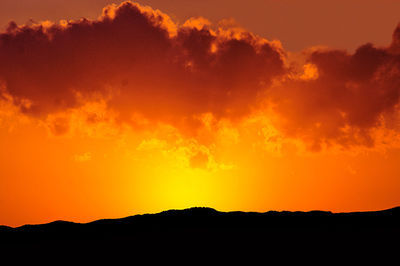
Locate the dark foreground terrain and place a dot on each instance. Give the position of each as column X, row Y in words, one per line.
column 199, row 228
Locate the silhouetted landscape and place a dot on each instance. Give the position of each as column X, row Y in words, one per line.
column 206, row 225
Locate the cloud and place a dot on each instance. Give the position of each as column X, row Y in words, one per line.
column 59, row 126
column 141, row 62
column 87, row 156
column 199, row 160
column 349, row 96
column 149, row 70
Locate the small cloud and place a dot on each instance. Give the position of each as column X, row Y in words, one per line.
column 87, row 156
column 151, row 144
column 59, row 125
column 199, row 160
column 198, row 23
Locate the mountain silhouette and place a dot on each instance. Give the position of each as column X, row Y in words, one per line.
column 205, row 227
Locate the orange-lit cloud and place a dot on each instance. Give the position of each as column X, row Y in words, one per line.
column 147, row 70
column 140, row 61
column 341, row 98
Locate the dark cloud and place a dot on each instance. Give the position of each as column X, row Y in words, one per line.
column 351, row 96
column 135, row 57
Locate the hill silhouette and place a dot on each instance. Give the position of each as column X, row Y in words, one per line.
column 205, row 227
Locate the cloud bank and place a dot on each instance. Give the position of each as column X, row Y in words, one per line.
column 345, row 99
column 144, row 65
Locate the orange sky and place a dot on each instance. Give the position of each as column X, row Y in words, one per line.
column 297, row 24
column 139, row 109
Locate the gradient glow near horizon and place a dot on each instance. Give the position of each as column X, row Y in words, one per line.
column 141, row 108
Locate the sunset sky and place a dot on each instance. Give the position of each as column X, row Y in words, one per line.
column 112, row 108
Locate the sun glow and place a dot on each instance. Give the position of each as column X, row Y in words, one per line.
column 177, row 177
column 185, row 187
column 131, row 172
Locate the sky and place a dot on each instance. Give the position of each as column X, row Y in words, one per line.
column 342, row 24
column 109, row 109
